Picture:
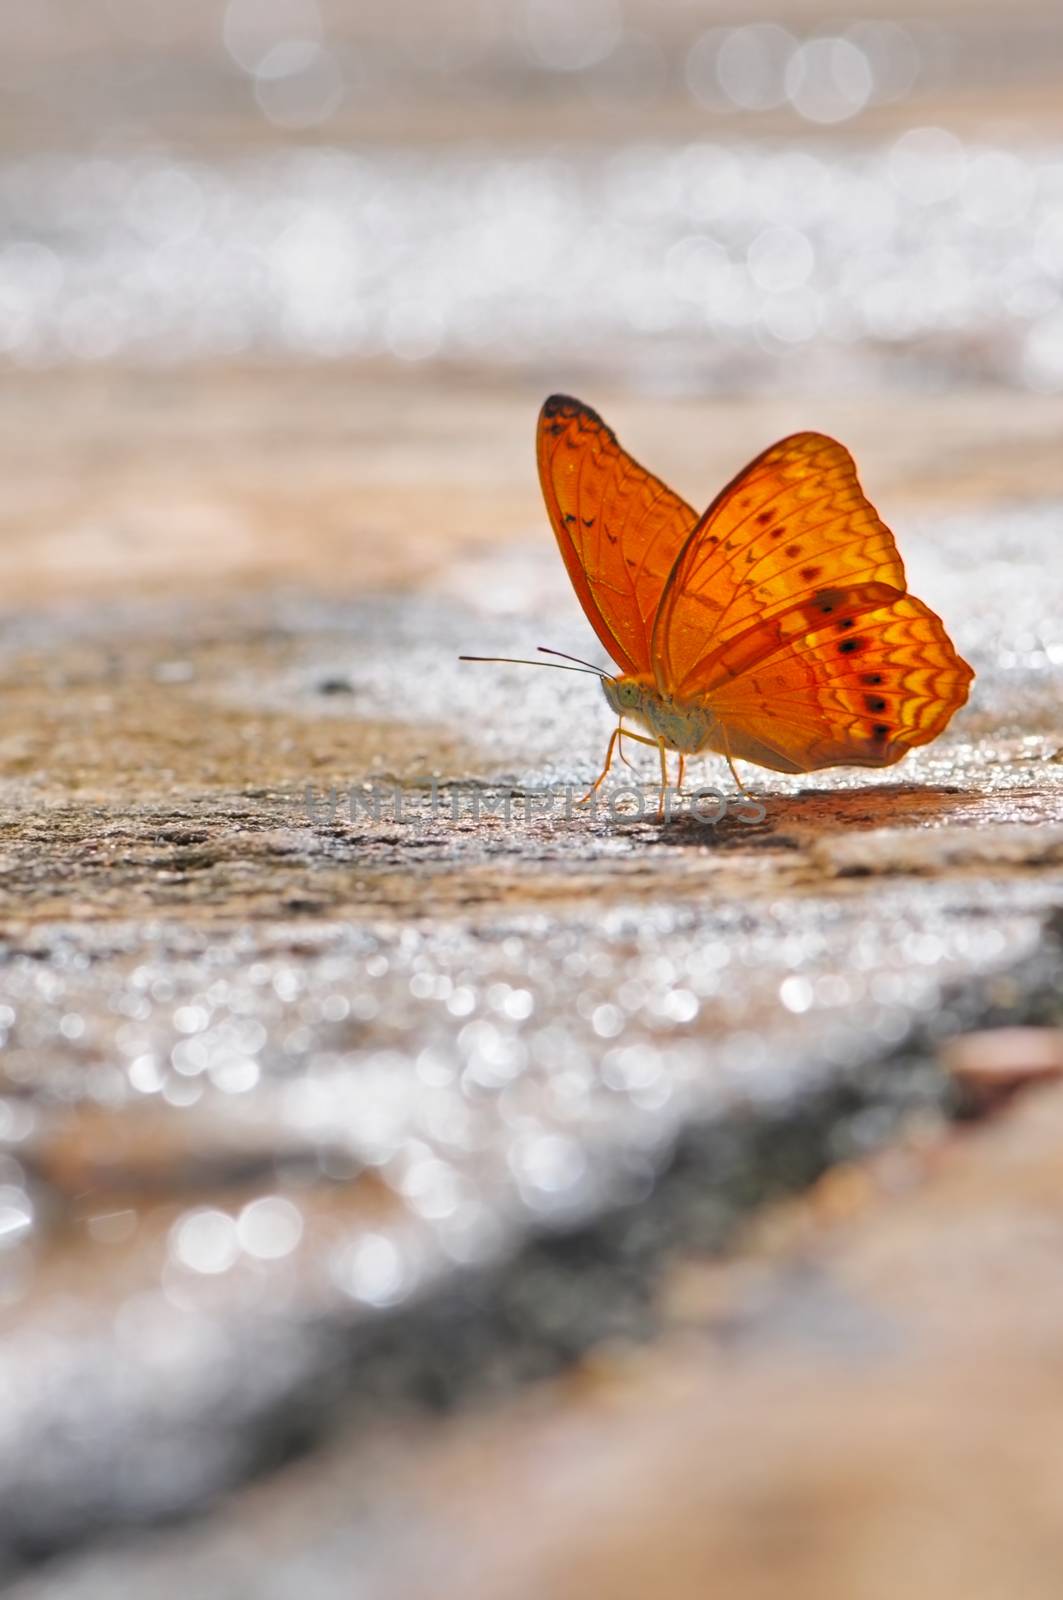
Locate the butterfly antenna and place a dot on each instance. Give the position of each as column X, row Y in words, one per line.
column 517, row 661
column 546, row 650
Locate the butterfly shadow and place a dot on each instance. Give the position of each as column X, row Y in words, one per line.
column 881, row 805
column 888, row 805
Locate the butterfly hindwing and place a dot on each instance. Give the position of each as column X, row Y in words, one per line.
column 861, row 691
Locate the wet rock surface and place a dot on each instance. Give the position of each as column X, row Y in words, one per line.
column 332, row 1085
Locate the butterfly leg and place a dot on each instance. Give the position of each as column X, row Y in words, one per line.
column 622, row 731
column 682, row 771
column 664, row 779
column 616, row 734
column 741, row 786
column 600, row 779
column 727, row 757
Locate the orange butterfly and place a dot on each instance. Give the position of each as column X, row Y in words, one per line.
column 775, row 627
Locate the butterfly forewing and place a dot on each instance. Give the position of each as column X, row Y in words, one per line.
column 792, row 524
column 619, row 528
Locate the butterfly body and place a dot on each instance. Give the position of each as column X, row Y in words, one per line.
column 692, row 728
column 687, row 728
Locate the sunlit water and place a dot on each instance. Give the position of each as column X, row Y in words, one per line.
column 923, row 255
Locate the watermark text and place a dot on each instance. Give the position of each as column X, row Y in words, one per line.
column 434, row 801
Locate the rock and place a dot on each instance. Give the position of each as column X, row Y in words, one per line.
column 990, row 1065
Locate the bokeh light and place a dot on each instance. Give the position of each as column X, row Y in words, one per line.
column 454, row 255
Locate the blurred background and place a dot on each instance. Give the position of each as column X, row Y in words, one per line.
column 682, row 194
column 309, row 1132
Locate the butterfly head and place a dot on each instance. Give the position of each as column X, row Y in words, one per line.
column 625, row 694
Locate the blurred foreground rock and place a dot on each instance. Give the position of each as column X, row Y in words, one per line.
column 863, row 1405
